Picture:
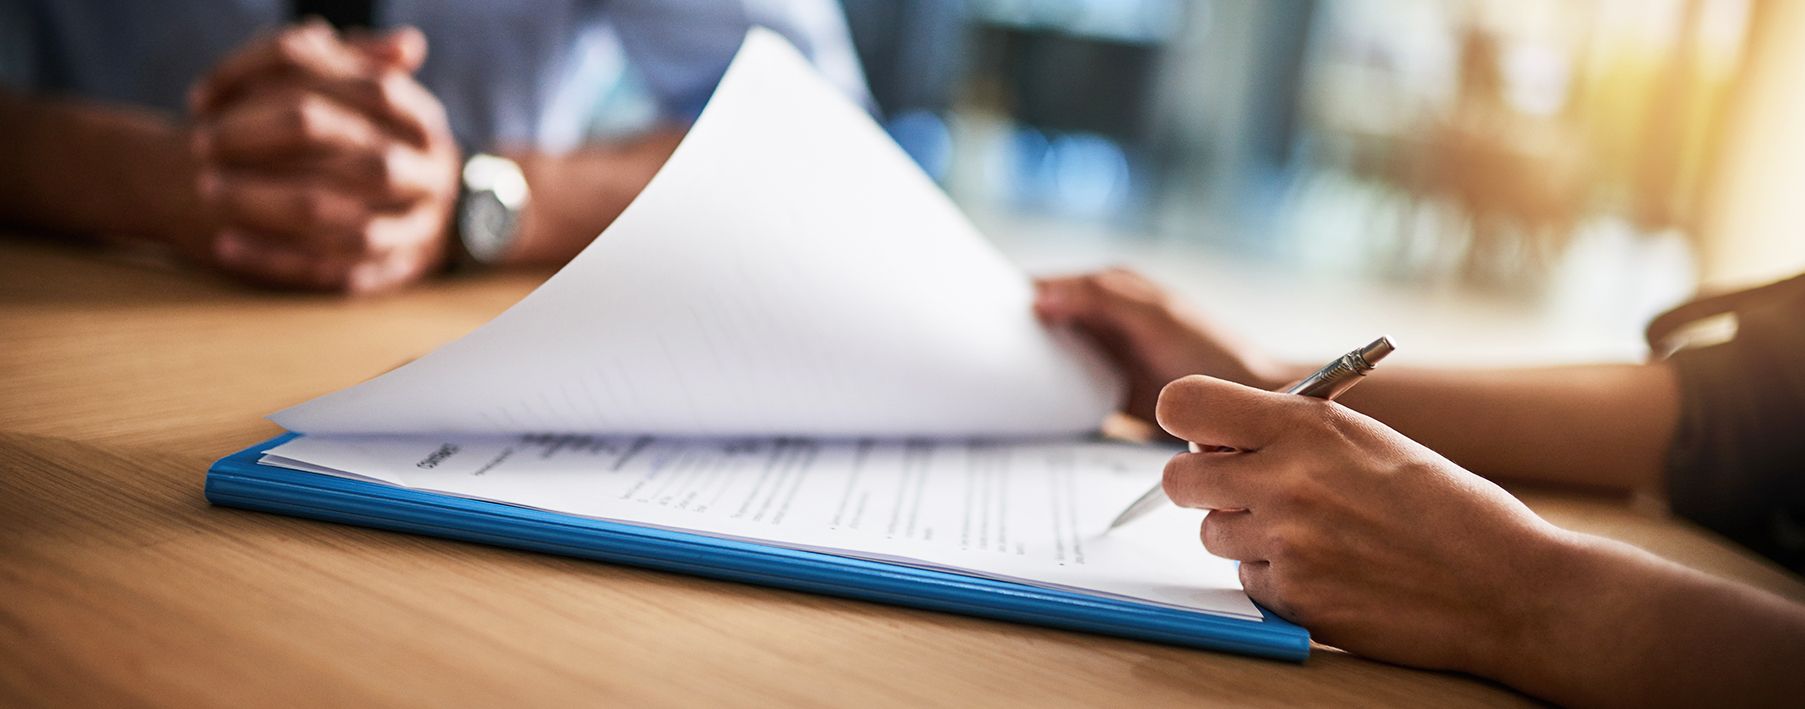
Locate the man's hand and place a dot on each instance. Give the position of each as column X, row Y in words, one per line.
column 1374, row 542
column 327, row 164
column 1151, row 336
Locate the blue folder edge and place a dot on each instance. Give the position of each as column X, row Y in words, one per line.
column 238, row 480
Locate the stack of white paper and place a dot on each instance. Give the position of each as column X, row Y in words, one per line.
column 789, row 272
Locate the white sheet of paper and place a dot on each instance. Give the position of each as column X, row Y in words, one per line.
column 789, row 271
column 1032, row 512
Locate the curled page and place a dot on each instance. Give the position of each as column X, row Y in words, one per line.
column 789, row 272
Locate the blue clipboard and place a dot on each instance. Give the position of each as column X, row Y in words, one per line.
column 238, row 480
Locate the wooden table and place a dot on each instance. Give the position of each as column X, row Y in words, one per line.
column 120, row 383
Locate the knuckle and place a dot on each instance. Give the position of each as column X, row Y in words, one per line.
column 1329, row 416
column 366, row 238
column 307, row 118
column 432, row 116
column 1285, row 493
column 1294, row 490
column 391, row 168
column 1297, row 417
column 1322, row 418
column 1283, row 544
column 291, row 45
column 402, row 95
column 1294, row 544
column 379, row 86
column 391, row 89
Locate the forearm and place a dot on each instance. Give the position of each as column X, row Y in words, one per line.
column 1606, row 426
column 1618, row 626
column 577, row 195
column 77, row 167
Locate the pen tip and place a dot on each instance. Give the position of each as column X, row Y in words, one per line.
column 1377, row 350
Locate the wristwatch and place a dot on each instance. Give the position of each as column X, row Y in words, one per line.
column 492, row 195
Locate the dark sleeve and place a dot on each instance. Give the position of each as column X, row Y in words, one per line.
column 1738, row 461
column 19, row 30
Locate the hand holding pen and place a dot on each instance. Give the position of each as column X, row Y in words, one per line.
column 1327, row 383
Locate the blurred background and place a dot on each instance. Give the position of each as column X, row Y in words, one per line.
column 1487, row 179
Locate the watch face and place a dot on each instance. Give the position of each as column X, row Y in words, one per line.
column 487, row 226
column 494, row 194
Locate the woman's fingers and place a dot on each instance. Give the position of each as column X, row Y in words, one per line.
column 1217, row 480
column 1233, row 534
column 1114, row 300
column 1216, row 412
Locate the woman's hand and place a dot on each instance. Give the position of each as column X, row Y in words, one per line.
column 1152, row 337
column 1374, row 542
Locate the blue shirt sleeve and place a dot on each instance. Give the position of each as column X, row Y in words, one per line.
column 681, row 48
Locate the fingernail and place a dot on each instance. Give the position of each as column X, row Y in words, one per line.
column 196, row 95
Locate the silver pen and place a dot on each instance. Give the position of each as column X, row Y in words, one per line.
column 1327, row 383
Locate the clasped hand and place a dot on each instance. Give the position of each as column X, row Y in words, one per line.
column 326, row 165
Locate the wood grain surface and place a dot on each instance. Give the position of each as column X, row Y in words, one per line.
column 120, row 382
